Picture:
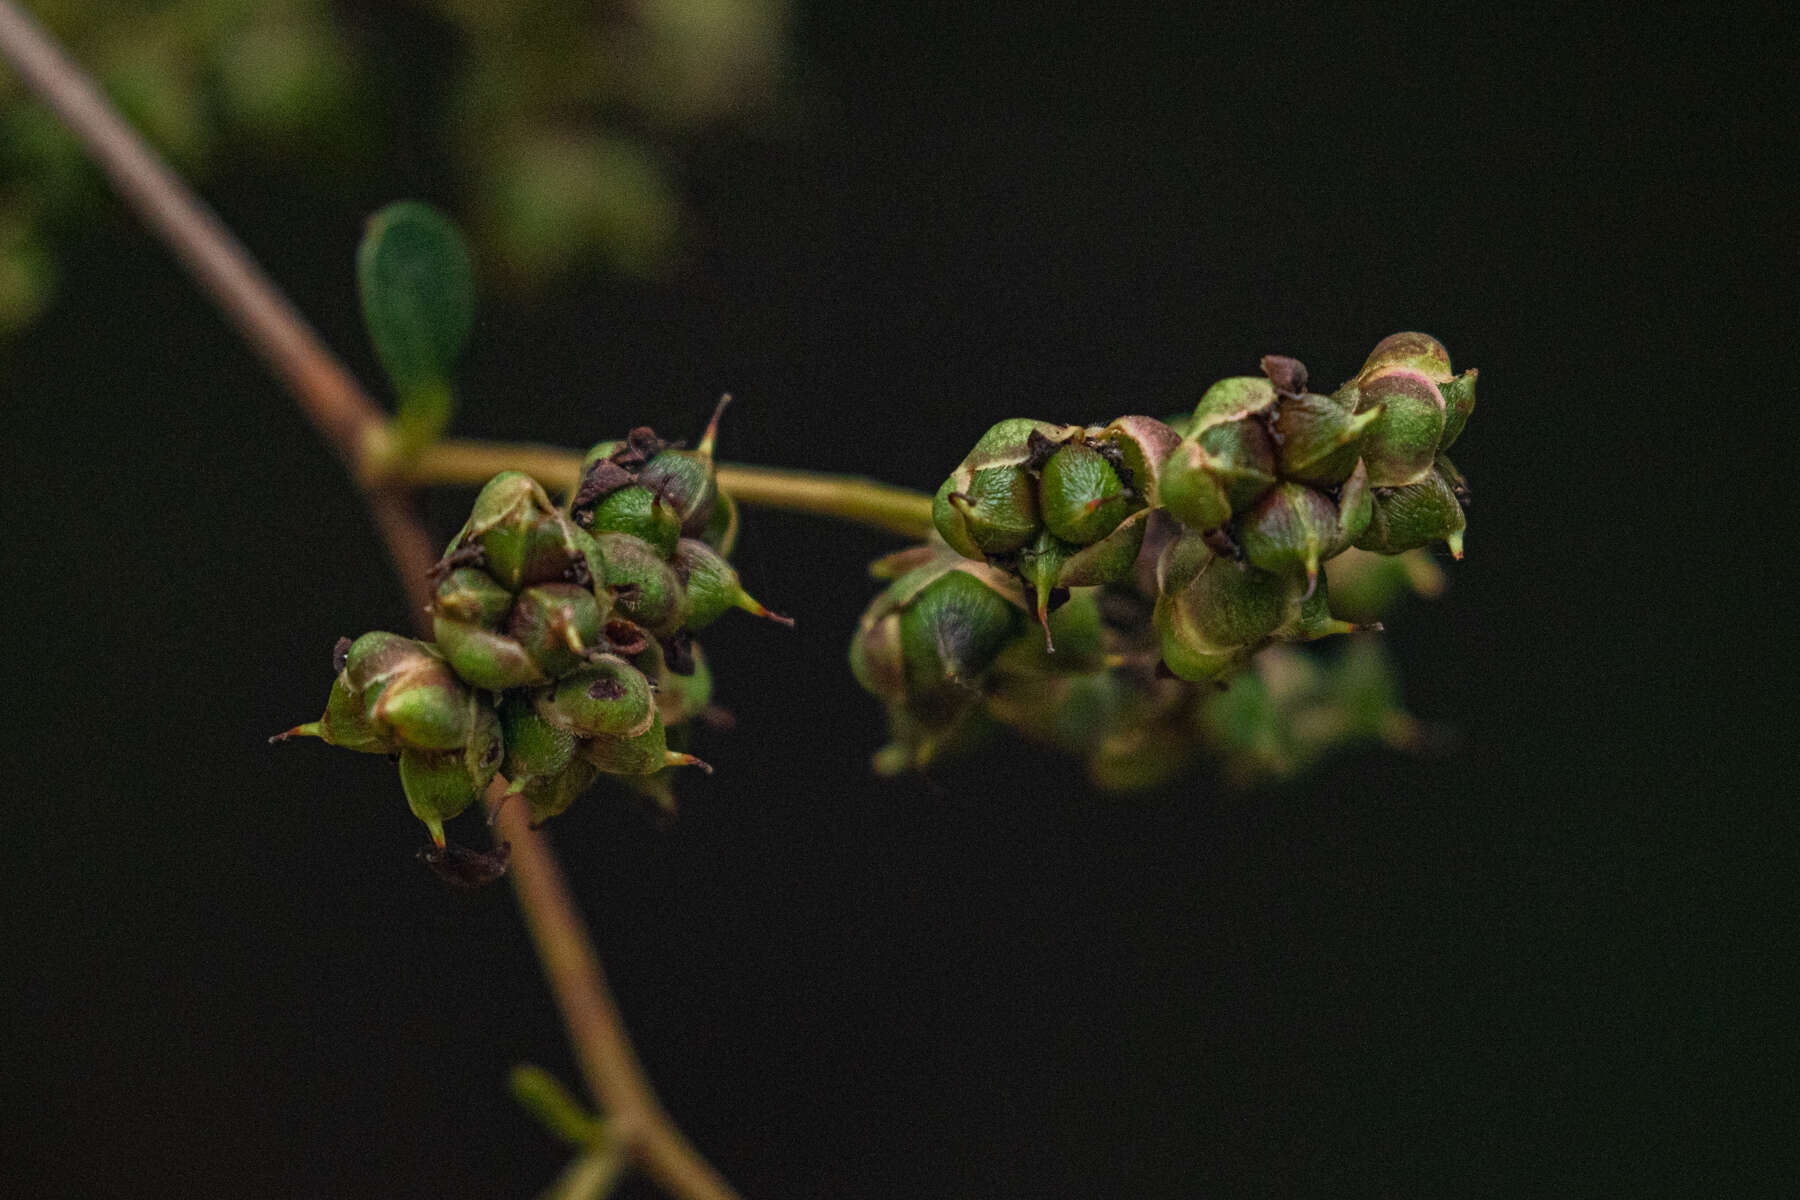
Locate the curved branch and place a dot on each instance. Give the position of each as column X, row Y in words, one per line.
column 356, row 429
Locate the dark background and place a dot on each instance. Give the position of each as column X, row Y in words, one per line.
column 1554, row 960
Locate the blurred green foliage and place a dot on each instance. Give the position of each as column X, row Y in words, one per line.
column 564, row 123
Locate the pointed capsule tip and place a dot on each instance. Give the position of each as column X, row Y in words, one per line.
column 310, row 729
column 1455, row 542
column 1312, row 578
column 687, row 760
column 751, row 605
column 711, row 437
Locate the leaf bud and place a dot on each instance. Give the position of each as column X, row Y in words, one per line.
column 710, row 586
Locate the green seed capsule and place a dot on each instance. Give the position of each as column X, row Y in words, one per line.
column 1191, row 491
column 557, row 625
column 1211, row 613
column 346, row 720
column 988, row 505
column 1288, row 531
column 1406, row 518
column 523, row 539
column 681, row 698
column 467, row 612
column 1081, row 496
column 1459, row 404
column 409, row 692
column 439, row 785
column 1138, row 446
column 644, row 587
column 607, row 696
column 877, row 659
column 994, row 512
column 1401, row 444
column 721, row 528
column 642, row 753
column 1242, row 459
column 683, row 480
column 952, row 629
column 542, row 760
column 710, row 586
column 641, row 513
column 1317, row 440
column 1411, row 352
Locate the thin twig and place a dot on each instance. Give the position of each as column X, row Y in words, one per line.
column 354, row 427
column 846, row 497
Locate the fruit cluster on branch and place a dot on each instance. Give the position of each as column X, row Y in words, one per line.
column 563, row 642
column 1157, row 556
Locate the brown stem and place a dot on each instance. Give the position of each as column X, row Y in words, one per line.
column 356, row 429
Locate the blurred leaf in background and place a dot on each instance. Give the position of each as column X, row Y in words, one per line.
column 563, row 124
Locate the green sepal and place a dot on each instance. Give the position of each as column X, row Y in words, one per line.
column 542, row 761
column 1401, row 444
column 1143, row 445
column 467, row 612
column 721, row 528
column 685, row 482
column 607, row 696
column 1240, row 455
column 484, row 658
column 1288, row 531
column 1109, row 560
column 417, row 287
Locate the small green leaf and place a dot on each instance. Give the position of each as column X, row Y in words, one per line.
column 418, row 299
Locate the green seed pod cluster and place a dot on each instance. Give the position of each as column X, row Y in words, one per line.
column 562, row 642
column 1057, row 506
column 1253, row 445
